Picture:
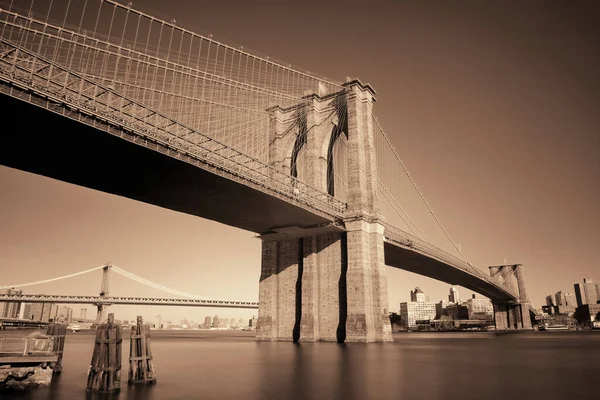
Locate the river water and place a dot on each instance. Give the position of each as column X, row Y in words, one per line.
column 231, row 365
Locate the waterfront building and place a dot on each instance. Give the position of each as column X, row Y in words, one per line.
column 550, row 300
column 41, row 311
column 588, row 314
column 453, row 296
column 560, row 299
column 252, row 322
column 570, row 300
column 207, row 322
column 10, row 309
column 479, row 308
column 548, row 310
column 440, row 308
column 457, row 311
column 564, row 310
column 586, row 293
column 83, row 313
column 411, row 312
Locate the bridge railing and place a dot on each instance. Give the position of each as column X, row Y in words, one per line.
column 407, row 240
column 72, row 299
column 32, row 78
column 24, row 346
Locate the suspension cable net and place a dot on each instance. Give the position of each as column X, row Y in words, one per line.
column 120, row 271
column 155, row 285
column 216, row 89
column 401, row 201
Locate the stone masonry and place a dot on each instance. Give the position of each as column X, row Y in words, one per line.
column 327, row 286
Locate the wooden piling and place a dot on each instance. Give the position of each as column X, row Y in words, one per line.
column 141, row 367
column 105, row 369
column 58, row 331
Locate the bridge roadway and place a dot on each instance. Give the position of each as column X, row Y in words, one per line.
column 67, row 142
column 114, row 300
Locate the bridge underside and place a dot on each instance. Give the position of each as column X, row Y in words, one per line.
column 42, row 142
column 413, row 261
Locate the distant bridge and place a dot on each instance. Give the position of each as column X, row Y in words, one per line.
column 107, row 301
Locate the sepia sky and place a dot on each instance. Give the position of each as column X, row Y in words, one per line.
column 494, row 107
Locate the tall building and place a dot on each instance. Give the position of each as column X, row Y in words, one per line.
column 252, row 322
column 586, row 292
column 83, row 313
column 453, row 296
column 570, row 300
column 418, row 295
column 411, row 312
column 10, row 309
column 550, row 300
column 560, row 299
column 207, row 322
column 440, row 308
column 41, row 311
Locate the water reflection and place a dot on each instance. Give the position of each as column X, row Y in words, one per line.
column 415, row 366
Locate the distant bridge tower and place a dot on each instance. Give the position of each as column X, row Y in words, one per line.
column 511, row 315
column 103, row 293
column 327, row 283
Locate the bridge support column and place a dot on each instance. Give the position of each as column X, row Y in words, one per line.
column 511, row 316
column 366, row 285
column 299, row 289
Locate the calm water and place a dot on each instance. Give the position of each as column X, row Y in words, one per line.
column 230, row 365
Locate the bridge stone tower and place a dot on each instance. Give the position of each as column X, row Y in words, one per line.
column 511, row 315
column 327, row 283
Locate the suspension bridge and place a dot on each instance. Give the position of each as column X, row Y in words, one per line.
column 188, row 123
column 102, row 300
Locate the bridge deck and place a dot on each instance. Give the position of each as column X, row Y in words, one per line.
column 411, row 260
column 46, row 143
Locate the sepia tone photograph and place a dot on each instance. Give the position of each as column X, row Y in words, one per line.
column 392, row 199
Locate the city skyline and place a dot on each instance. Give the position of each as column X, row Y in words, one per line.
column 521, row 116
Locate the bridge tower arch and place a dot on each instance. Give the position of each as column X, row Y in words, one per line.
column 328, row 282
column 515, row 314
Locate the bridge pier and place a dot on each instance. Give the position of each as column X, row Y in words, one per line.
column 329, row 287
column 511, row 315
column 299, row 289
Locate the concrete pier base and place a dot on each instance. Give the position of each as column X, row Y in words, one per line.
column 512, row 316
column 314, row 289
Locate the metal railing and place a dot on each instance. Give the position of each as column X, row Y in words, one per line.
column 71, row 299
column 404, row 239
column 26, row 346
column 100, row 106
